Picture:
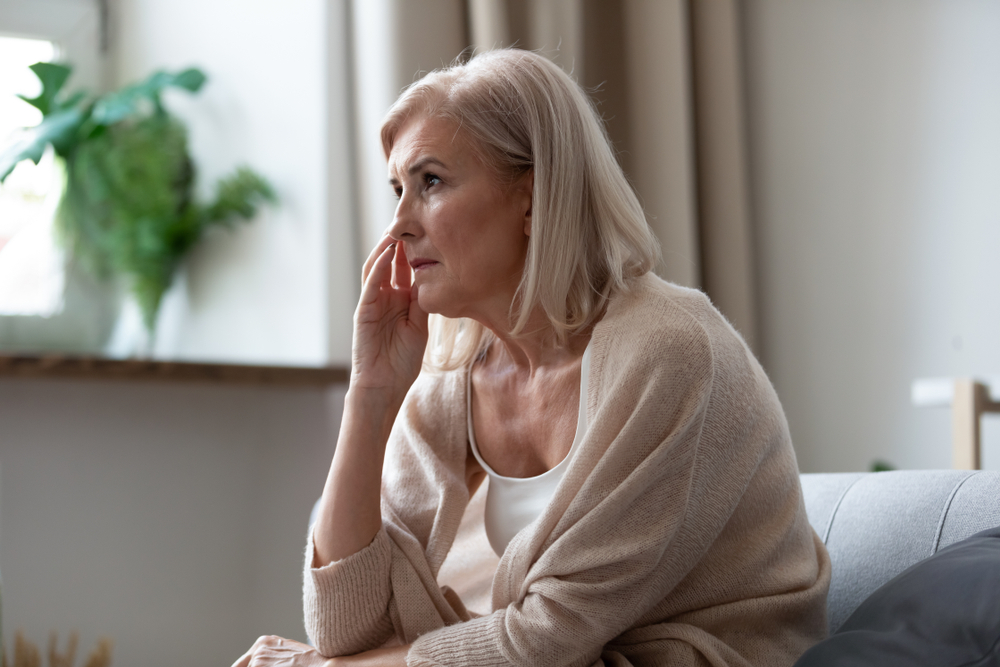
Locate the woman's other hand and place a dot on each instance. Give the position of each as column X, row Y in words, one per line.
column 390, row 329
column 270, row 651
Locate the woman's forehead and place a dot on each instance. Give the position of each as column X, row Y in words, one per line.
column 425, row 139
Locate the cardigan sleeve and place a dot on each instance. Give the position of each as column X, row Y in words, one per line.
column 357, row 588
column 389, row 588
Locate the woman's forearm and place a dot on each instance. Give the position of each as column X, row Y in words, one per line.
column 350, row 514
column 380, row 657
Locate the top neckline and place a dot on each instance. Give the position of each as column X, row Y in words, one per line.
column 581, row 426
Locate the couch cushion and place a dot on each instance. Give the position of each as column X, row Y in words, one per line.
column 944, row 611
column 875, row 525
column 974, row 506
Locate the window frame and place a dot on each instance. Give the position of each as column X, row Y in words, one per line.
column 78, row 28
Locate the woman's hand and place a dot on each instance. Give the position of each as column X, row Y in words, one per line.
column 390, row 329
column 270, row 651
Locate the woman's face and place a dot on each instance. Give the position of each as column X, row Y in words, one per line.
column 465, row 234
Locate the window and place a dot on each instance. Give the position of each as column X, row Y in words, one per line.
column 31, row 272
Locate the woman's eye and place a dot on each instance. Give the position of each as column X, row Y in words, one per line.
column 431, row 179
column 399, row 192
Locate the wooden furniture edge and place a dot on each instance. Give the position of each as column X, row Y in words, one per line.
column 98, row 368
column 971, row 400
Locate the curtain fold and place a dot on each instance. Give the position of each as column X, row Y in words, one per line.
column 661, row 148
column 721, row 160
column 666, row 76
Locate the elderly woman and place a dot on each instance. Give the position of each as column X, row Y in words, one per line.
column 643, row 491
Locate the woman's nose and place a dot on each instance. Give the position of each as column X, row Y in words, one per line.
column 405, row 222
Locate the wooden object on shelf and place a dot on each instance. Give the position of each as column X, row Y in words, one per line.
column 969, row 402
column 97, row 368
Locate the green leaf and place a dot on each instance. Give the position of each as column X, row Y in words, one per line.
column 59, row 129
column 127, row 208
column 52, row 76
column 119, row 105
column 878, row 465
column 73, row 100
column 238, row 196
column 191, row 79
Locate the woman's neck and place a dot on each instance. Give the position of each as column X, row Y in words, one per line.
column 538, row 348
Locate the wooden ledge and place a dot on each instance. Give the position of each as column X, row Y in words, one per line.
column 97, row 368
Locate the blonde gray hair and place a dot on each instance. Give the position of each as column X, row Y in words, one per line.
column 589, row 239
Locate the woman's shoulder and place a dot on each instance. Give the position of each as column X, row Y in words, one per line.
column 654, row 313
column 653, row 301
column 658, row 328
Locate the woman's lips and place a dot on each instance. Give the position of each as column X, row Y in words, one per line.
column 421, row 263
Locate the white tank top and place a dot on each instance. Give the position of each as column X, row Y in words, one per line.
column 514, row 502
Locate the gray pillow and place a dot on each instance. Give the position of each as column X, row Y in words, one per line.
column 944, row 611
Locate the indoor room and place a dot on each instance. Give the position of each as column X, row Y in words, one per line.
column 825, row 172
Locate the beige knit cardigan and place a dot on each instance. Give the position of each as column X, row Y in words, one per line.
column 678, row 535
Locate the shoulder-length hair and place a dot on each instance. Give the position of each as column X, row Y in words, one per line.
column 589, row 239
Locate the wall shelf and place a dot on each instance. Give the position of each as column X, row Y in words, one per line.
column 98, row 368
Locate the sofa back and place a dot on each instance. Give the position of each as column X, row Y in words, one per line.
column 875, row 525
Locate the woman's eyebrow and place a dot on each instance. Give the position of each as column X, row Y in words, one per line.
column 417, row 166
column 423, row 162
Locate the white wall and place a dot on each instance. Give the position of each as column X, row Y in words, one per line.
column 875, row 149
column 171, row 518
column 282, row 289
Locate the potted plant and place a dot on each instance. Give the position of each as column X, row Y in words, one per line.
column 128, row 209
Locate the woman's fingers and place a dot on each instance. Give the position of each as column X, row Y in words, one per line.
column 401, row 271
column 380, row 274
column 279, row 652
column 379, row 248
column 245, row 659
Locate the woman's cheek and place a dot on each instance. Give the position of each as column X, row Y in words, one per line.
column 426, row 298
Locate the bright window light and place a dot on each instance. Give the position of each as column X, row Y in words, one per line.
column 31, row 268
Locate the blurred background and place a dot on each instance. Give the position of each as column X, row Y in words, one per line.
column 826, row 171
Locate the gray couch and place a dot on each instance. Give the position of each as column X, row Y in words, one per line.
column 875, row 525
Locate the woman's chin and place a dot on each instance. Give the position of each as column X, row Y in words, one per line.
column 432, row 302
column 427, row 301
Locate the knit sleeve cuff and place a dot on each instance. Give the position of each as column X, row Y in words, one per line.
column 475, row 642
column 346, row 602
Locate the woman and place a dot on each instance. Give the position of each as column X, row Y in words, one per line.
column 644, row 494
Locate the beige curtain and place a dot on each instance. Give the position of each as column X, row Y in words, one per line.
column 667, row 78
column 724, row 207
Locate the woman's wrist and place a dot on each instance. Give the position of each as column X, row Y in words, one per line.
column 384, row 396
column 380, row 657
column 376, row 407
